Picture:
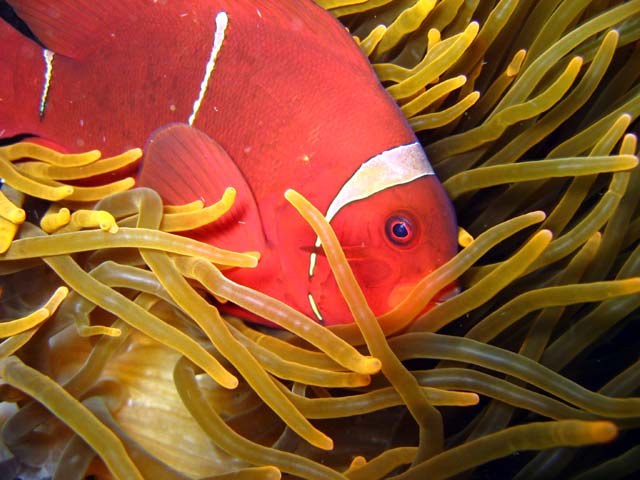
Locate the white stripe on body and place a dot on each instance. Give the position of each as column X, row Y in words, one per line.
column 222, row 21
column 48, row 73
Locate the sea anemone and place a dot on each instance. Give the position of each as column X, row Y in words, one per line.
column 116, row 362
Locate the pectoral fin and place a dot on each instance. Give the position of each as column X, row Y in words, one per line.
column 183, row 164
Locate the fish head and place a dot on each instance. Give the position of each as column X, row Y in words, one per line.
column 396, row 237
column 395, row 225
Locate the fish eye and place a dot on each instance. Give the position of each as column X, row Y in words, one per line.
column 399, row 230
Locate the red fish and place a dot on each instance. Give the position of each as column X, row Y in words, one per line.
column 255, row 94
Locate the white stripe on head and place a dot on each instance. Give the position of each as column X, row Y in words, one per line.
column 396, row 166
column 392, row 167
column 48, row 72
column 218, row 37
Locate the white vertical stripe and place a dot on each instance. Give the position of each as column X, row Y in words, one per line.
column 392, row 167
column 48, row 72
column 314, row 308
column 312, row 263
column 218, row 37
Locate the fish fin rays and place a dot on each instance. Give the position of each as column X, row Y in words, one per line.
column 183, row 164
column 70, row 27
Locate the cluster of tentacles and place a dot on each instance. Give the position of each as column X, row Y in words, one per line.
column 115, row 361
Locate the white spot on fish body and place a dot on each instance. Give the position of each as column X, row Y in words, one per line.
column 218, row 37
column 296, row 25
column 82, row 122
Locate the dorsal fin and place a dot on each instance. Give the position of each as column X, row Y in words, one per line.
column 71, row 27
column 183, row 164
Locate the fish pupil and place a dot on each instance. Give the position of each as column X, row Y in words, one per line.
column 399, row 230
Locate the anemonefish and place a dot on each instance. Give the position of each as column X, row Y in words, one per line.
column 261, row 95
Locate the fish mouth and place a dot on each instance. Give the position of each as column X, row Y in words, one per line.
column 401, row 291
column 447, row 294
